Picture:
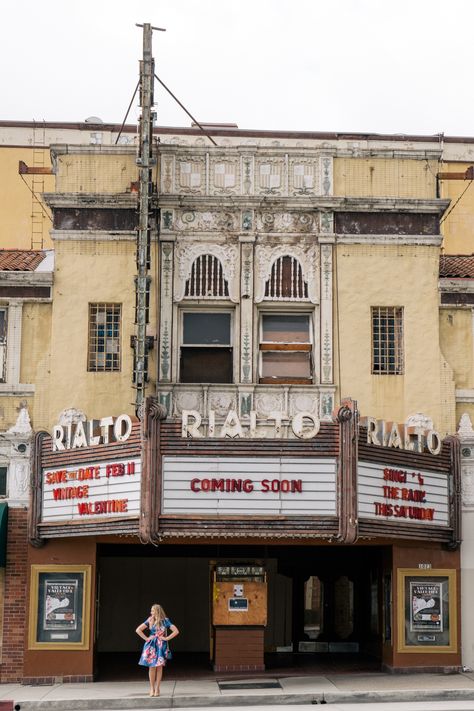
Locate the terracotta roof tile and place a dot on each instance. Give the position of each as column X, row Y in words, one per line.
column 457, row 266
column 20, row 260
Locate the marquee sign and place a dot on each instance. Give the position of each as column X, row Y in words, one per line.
column 402, row 495
column 93, row 489
column 246, row 486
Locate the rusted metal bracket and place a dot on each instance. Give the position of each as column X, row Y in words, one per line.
column 467, row 175
column 24, row 169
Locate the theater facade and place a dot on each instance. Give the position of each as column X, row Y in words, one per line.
column 273, row 517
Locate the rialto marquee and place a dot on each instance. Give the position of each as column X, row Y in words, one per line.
column 115, row 474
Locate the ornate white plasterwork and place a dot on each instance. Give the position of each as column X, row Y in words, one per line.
column 307, row 256
column 187, row 252
column 224, row 175
column 270, row 175
column 223, row 401
column 465, row 429
column 71, row 416
column 467, row 485
column 296, row 222
column 22, row 425
column 419, row 420
column 205, row 221
column 265, row 403
column 304, row 175
column 191, row 174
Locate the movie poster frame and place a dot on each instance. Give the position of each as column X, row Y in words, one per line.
column 438, row 576
column 80, row 575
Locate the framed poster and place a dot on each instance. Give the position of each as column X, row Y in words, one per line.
column 427, row 619
column 59, row 607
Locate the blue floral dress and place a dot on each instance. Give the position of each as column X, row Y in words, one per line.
column 156, row 651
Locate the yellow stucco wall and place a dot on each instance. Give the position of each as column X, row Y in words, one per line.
column 16, row 198
column 93, row 272
column 389, row 275
column 34, row 370
column 458, row 227
column 457, row 344
column 385, row 177
column 96, row 173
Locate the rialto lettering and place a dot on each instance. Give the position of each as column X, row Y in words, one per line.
column 91, row 433
column 247, row 486
column 401, row 436
column 304, row 425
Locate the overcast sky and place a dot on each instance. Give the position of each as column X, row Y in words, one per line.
column 396, row 66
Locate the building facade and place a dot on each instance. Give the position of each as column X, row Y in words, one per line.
column 288, row 273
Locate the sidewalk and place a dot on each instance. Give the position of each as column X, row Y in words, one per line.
column 334, row 688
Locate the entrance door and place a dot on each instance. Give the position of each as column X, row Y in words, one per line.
column 337, row 600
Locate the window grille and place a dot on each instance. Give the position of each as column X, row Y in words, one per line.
column 387, row 340
column 286, row 281
column 3, row 345
column 207, row 279
column 104, row 337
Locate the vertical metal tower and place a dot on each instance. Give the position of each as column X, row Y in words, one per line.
column 145, row 162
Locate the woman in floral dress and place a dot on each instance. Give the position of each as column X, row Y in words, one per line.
column 156, row 651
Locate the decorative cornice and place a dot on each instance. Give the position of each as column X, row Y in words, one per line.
column 305, row 203
column 95, row 236
column 26, row 278
column 87, row 200
column 263, row 150
column 458, row 285
column 419, row 240
column 465, row 395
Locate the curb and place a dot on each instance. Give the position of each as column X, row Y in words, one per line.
column 176, row 702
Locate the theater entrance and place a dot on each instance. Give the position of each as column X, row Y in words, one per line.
column 328, row 607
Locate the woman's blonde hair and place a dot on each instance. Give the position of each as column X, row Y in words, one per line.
column 157, row 613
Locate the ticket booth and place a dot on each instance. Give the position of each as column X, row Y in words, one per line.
column 239, row 616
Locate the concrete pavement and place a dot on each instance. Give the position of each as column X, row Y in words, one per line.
column 335, row 689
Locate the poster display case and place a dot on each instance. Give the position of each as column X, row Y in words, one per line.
column 427, row 619
column 59, row 607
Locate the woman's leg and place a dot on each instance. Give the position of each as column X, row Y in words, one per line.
column 152, row 678
column 159, row 674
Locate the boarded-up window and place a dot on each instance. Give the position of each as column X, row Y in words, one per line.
column 286, row 280
column 206, row 350
column 387, row 340
column 207, row 279
column 286, row 349
column 104, row 337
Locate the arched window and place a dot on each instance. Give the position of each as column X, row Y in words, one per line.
column 207, row 279
column 286, row 281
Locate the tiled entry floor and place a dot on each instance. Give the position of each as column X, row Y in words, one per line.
column 124, row 666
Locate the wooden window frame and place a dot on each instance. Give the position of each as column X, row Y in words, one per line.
column 230, row 345
column 274, row 346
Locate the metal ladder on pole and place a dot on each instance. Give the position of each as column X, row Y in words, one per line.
column 37, row 186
